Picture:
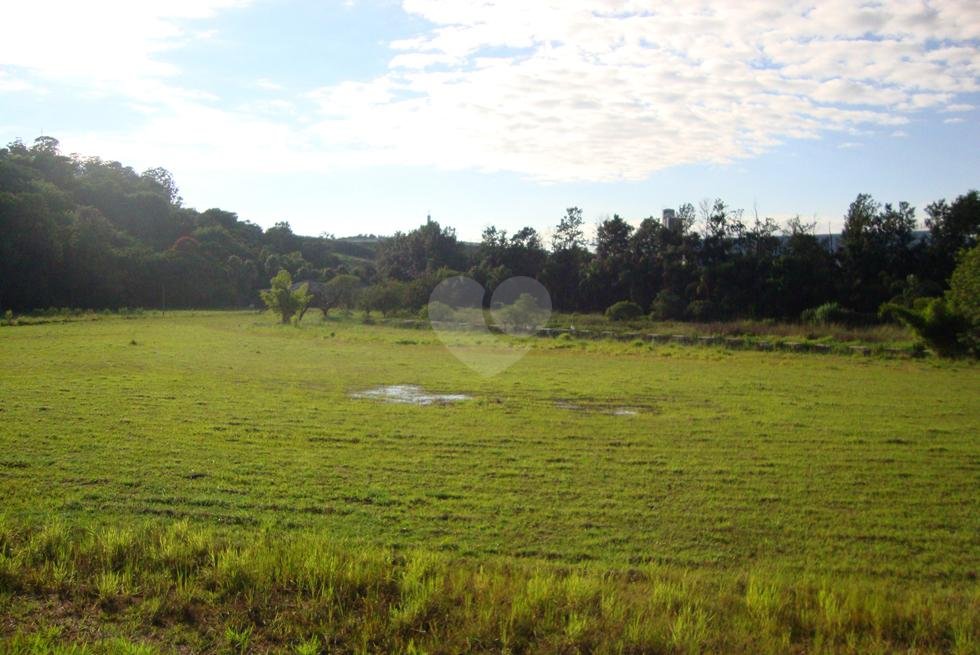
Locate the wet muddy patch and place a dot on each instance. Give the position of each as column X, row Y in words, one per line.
column 597, row 408
column 408, row 394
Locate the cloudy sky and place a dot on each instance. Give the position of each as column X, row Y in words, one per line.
column 363, row 116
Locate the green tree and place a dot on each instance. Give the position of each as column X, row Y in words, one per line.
column 385, row 297
column 342, row 290
column 875, row 251
column 282, row 300
column 425, row 249
column 952, row 227
column 964, row 296
column 562, row 274
column 609, row 274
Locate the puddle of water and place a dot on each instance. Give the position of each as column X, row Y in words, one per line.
column 410, row 394
column 614, row 411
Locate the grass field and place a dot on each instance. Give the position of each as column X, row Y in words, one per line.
column 596, row 496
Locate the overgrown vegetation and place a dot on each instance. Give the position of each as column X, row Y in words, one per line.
column 951, row 324
column 153, row 589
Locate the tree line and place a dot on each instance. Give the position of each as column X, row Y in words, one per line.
column 83, row 232
column 87, row 233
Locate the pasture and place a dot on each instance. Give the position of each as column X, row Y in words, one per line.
column 789, row 502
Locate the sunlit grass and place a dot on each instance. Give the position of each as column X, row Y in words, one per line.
column 206, row 474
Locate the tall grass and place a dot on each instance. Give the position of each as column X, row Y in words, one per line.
column 159, row 587
column 888, row 333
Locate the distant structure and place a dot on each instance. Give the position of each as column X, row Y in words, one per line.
column 670, row 220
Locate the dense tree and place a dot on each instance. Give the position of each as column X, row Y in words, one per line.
column 609, row 274
column 952, row 228
column 875, row 252
column 805, row 274
column 423, row 250
column 563, row 271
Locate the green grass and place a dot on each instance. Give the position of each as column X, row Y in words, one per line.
column 772, row 489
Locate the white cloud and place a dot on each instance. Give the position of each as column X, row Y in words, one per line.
column 615, row 89
column 555, row 90
column 267, row 85
column 108, row 44
column 953, row 121
column 10, row 83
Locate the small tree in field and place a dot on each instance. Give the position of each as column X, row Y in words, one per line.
column 384, row 297
column 284, row 301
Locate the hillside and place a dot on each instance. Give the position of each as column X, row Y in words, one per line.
column 84, row 232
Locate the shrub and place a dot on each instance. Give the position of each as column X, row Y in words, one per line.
column 524, row 313
column 667, row 306
column 624, row 310
column 949, row 325
column 439, row 311
column 284, row 301
column 831, row 313
column 701, row 310
column 935, row 321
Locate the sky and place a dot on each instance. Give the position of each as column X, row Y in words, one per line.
column 359, row 116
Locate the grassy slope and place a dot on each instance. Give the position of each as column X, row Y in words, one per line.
column 736, row 462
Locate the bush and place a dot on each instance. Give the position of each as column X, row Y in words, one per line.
column 701, row 310
column 524, row 313
column 949, row 325
column 439, row 311
column 831, row 313
column 667, row 306
column 936, row 322
column 284, row 301
column 624, row 310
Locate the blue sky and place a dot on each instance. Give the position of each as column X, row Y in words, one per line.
column 363, row 117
